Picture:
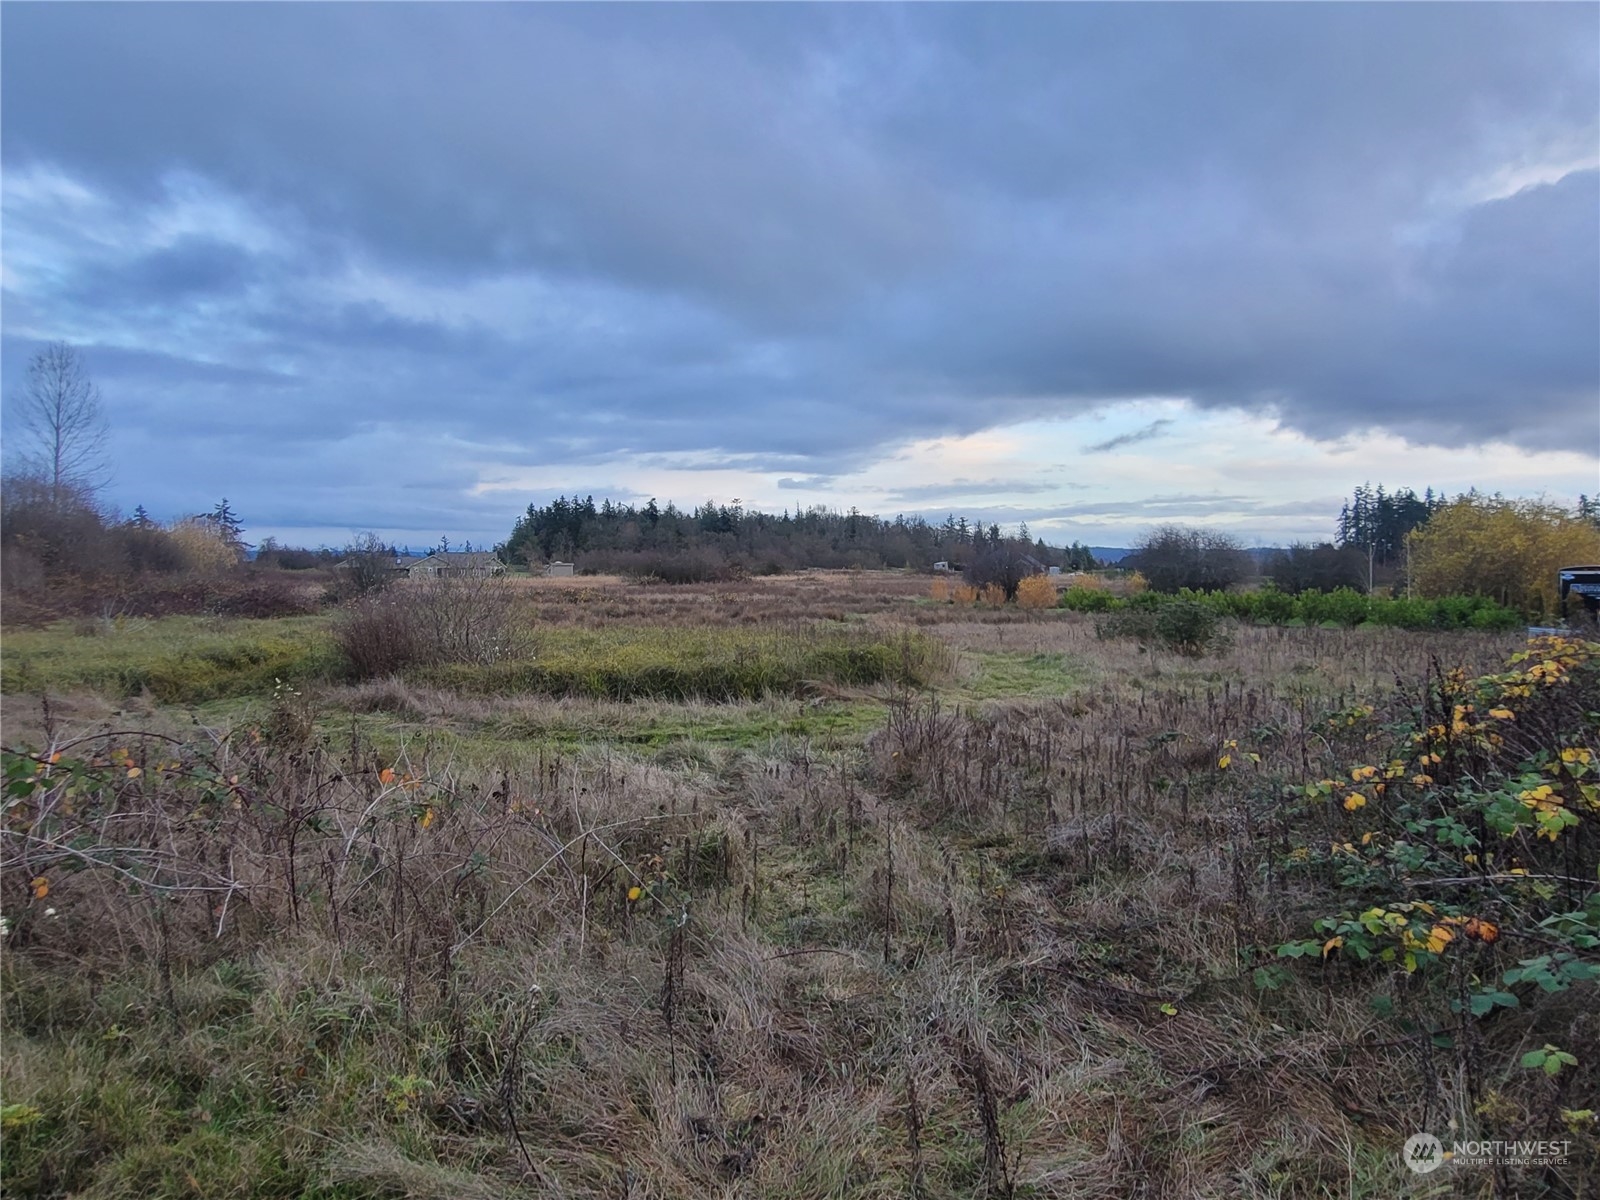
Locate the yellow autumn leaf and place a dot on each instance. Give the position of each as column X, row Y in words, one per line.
column 134, row 772
column 1362, row 774
column 41, row 887
column 386, row 776
column 635, row 892
column 1332, row 944
column 426, row 819
column 1354, row 801
column 1502, row 714
column 1222, row 763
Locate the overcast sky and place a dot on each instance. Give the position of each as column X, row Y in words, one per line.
column 408, row 268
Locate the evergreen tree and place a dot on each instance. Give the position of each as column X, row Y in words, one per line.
column 1589, row 509
column 1376, row 521
column 229, row 526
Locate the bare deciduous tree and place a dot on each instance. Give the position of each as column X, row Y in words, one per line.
column 1179, row 556
column 368, row 567
column 59, row 417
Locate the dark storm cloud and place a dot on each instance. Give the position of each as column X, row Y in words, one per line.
column 191, row 269
column 789, row 238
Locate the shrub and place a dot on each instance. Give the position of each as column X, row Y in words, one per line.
column 1454, row 847
column 378, row 637
column 1271, row 606
column 1342, row 606
column 262, row 596
column 1089, row 600
column 965, row 594
column 1188, row 628
column 60, row 531
column 1036, row 591
column 1185, row 626
column 204, row 544
column 466, row 621
column 940, row 590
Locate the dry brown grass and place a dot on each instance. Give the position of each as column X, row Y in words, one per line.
column 936, row 966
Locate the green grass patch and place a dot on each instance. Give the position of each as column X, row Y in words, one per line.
column 632, row 663
column 179, row 660
column 1003, row 675
column 516, row 738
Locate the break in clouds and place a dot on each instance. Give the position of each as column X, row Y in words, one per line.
column 352, row 261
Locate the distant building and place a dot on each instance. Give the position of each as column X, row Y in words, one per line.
column 456, row 564
column 558, row 570
column 1055, row 570
column 941, row 566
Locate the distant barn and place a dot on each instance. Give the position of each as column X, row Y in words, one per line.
column 558, row 570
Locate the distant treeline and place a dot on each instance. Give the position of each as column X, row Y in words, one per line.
column 716, row 539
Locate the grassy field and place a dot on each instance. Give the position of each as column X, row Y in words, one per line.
column 792, row 888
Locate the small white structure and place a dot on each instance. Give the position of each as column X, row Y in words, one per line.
column 941, row 566
column 1055, row 570
column 558, row 570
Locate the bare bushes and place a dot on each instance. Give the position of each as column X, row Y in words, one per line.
column 475, row 622
column 367, row 569
column 695, row 565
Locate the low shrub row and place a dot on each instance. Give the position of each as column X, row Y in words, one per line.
column 1343, row 607
column 256, row 594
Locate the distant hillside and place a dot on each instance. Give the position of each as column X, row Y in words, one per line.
column 1110, row 555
